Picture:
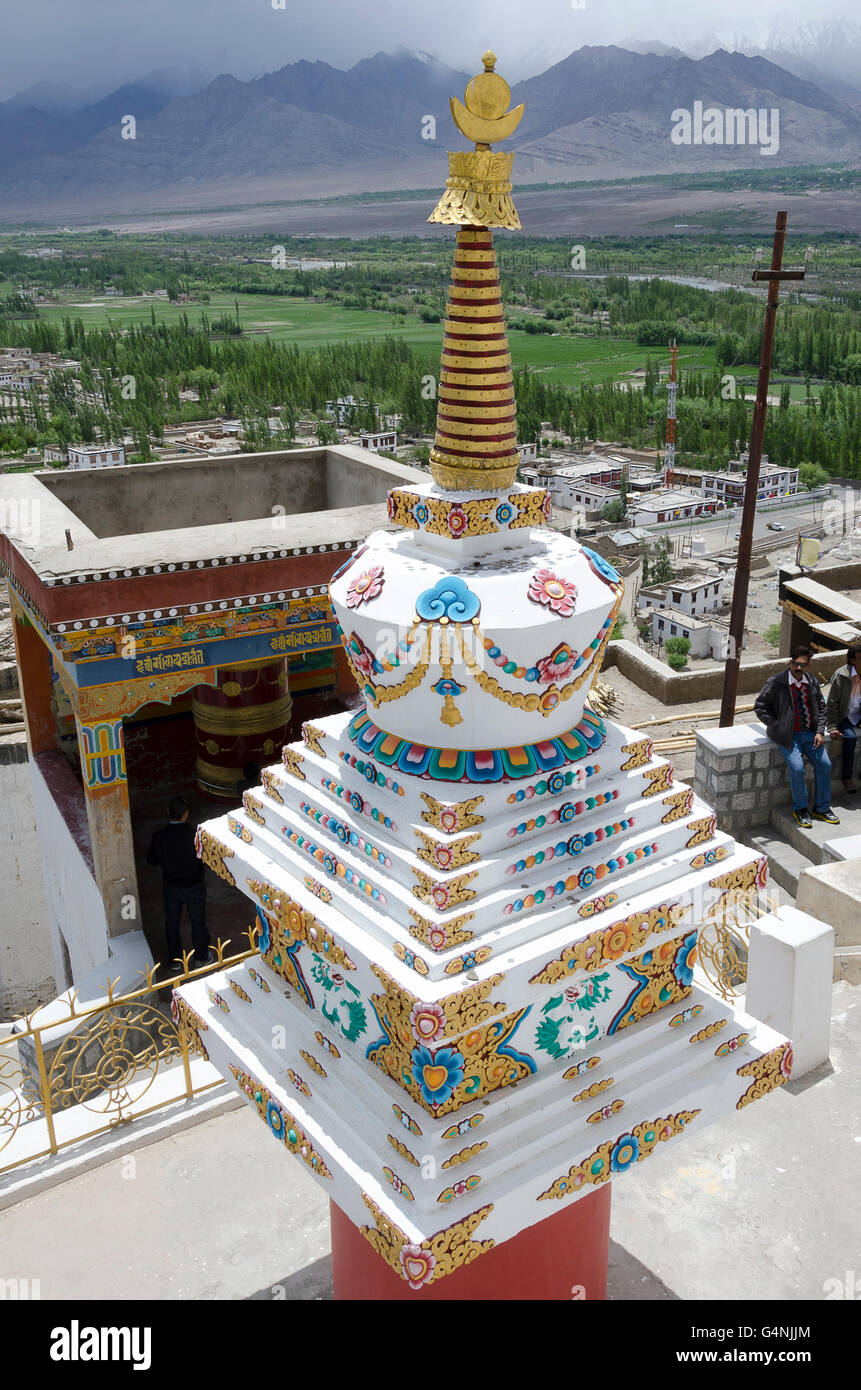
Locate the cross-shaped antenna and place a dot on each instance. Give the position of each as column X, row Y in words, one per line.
column 774, row 278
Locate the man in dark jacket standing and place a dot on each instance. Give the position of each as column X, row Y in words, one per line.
column 792, row 709
column 843, row 711
column 172, row 850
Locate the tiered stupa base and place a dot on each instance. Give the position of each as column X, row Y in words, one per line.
column 451, row 1054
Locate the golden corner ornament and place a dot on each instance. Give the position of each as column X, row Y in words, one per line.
column 478, row 188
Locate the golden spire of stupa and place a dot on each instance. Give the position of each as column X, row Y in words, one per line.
column 476, row 430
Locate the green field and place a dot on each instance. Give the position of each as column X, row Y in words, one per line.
column 572, row 361
column 308, row 323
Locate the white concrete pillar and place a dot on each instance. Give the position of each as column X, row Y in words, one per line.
column 789, row 982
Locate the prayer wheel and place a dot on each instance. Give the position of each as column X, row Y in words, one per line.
column 241, row 720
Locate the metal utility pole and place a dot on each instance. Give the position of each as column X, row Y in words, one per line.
column 672, row 388
column 774, row 276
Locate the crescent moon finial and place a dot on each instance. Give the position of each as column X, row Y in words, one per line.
column 483, row 116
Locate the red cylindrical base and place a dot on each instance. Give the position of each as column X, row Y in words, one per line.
column 562, row 1258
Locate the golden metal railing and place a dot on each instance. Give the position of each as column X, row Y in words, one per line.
column 105, row 1065
column 724, row 940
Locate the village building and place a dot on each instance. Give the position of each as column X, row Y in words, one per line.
column 728, row 487
column 701, row 594
column 707, row 636
column 631, row 540
column 343, row 409
column 102, row 455
column 669, row 504
column 682, row 476
column 380, row 439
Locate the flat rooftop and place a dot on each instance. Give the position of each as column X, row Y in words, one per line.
column 668, row 497
column 676, row 615
column 845, row 605
column 195, row 511
column 689, row 585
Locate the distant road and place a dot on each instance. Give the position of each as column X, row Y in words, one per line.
column 719, row 534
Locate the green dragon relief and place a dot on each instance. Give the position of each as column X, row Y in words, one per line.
column 566, row 1024
column 347, row 1012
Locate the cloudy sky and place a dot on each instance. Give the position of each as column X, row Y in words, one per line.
column 98, row 44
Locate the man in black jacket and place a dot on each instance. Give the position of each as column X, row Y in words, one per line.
column 172, row 850
column 792, row 709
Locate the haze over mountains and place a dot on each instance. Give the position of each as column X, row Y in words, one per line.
column 600, row 112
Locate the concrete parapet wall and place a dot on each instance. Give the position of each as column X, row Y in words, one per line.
column 682, row 687
column 27, row 974
column 13, row 748
column 832, row 892
column 75, row 910
column 789, row 982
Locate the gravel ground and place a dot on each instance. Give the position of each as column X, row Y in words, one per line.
column 635, row 706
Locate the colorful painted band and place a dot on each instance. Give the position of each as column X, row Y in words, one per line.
column 562, row 814
column 476, row 765
column 345, row 834
column 332, row 865
column 357, row 802
column 572, row 847
column 583, row 880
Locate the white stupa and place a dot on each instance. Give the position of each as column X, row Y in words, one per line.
column 477, row 902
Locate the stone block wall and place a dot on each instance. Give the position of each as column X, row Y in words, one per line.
column 741, row 773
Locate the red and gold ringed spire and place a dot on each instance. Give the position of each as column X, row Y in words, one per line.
column 476, row 431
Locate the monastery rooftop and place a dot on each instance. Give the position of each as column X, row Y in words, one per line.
column 170, row 515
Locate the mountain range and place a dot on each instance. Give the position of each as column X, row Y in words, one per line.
column 600, row 112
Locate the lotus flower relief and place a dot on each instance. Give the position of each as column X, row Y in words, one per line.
column 551, row 592
column 417, row 1265
column 786, row 1062
column 365, row 586
column 427, row 1021
column 361, row 655
column 559, row 664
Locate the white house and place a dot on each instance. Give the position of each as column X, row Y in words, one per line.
column 55, row 453
column 527, row 452
column 728, row 487
column 383, row 439
column 703, row 594
column 669, row 504
column 343, row 409
column 707, row 637
column 96, row 455
column 574, row 492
